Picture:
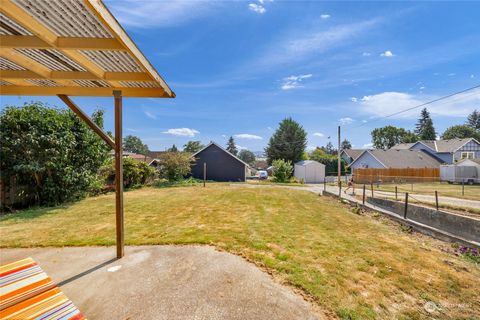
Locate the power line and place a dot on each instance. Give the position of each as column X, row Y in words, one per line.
column 420, row 105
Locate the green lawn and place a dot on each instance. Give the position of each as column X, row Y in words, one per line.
column 354, row 266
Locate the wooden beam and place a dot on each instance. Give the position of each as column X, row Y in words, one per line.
column 82, row 91
column 77, row 43
column 17, row 82
column 75, row 75
column 119, row 174
column 82, row 115
column 25, row 62
column 10, row 9
column 99, row 9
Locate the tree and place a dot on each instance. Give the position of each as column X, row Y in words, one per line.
column 193, row 146
column 247, row 156
column 460, row 132
column 282, row 170
column 135, row 145
column 51, row 153
column 387, row 137
column 330, row 161
column 473, row 120
column 288, row 142
column 173, row 149
column 175, row 165
column 345, row 145
column 424, row 128
column 330, row 149
column 231, row 147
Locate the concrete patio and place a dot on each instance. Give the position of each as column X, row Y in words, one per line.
column 165, row 282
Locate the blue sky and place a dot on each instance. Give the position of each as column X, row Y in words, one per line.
column 238, row 68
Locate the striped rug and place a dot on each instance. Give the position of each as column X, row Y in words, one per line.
column 26, row 292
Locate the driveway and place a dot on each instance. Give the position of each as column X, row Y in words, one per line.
column 165, row 282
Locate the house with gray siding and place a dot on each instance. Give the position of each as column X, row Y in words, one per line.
column 449, row 151
column 349, row 155
column 399, row 158
column 220, row 164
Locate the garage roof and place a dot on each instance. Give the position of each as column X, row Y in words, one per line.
column 71, row 47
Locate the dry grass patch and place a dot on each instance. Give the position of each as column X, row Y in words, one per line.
column 356, row 266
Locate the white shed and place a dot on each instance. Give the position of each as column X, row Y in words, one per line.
column 310, row 171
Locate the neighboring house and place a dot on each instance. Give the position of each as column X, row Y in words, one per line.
column 155, row 154
column 449, row 151
column 136, row 156
column 350, row 155
column 221, row 164
column 466, row 170
column 395, row 158
column 310, row 171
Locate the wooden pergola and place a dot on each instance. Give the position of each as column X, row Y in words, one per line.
column 75, row 48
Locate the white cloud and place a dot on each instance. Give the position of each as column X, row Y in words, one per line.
column 257, row 8
column 367, row 145
column 304, row 42
column 366, row 54
column 318, row 134
column 387, row 54
column 451, row 74
column 150, row 115
column 182, row 132
column 386, row 103
column 145, row 14
column 345, row 121
column 131, row 130
column 311, row 148
column 224, row 135
column 270, row 128
column 293, row 82
column 353, row 99
column 240, row 147
column 472, row 76
column 324, row 16
column 247, row 136
column 422, row 87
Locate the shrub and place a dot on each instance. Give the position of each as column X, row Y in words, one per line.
column 135, row 173
column 282, row 170
column 174, row 166
column 50, row 154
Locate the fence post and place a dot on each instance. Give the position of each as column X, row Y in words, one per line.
column 204, row 173
column 436, row 199
column 463, row 187
column 406, row 206
column 363, row 200
column 396, row 193
column 371, row 187
column 340, row 189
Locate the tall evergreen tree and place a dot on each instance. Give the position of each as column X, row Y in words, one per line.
column 345, row 145
column 424, row 128
column 173, row 149
column 231, row 146
column 473, row 120
column 288, row 142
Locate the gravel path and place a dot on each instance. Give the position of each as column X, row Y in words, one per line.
column 165, row 282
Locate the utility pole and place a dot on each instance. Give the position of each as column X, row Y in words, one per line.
column 339, row 161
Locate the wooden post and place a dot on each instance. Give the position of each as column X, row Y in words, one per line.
column 204, row 173
column 406, row 206
column 119, row 173
column 396, row 193
column 363, row 200
column 436, row 199
column 339, row 162
column 371, row 187
column 340, row 189
column 463, row 187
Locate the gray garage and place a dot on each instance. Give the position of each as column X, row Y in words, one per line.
column 221, row 165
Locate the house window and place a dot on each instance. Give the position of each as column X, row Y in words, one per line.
column 467, row 155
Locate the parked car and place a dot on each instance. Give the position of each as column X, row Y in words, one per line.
column 262, row 174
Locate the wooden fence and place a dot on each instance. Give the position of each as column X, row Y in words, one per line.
column 396, row 175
